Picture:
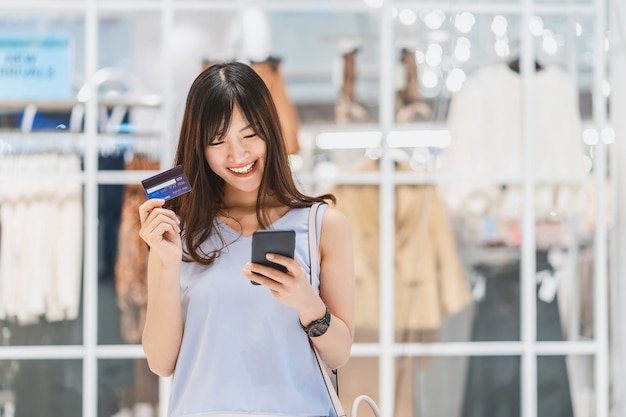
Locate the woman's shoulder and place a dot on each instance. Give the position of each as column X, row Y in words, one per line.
column 335, row 236
column 335, row 220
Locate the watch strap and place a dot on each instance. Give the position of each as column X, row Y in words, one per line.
column 324, row 321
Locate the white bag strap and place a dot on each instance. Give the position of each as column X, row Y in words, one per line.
column 369, row 401
column 314, row 262
column 313, row 249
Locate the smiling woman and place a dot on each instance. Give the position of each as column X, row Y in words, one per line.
column 203, row 322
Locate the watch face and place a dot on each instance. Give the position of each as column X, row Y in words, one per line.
column 318, row 329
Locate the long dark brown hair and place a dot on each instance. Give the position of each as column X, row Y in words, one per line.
column 208, row 112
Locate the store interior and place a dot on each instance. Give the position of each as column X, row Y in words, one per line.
column 470, row 145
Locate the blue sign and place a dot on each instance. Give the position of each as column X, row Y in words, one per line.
column 35, row 67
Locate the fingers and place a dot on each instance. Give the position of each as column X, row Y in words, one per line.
column 157, row 222
column 162, row 226
column 291, row 288
column 159, row 228
column 152, row 209
column 261, row 279
column 292, row 265
column 269, row 282
column 148, row 206
column 294, row 270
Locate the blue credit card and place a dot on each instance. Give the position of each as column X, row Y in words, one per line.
column 167, row 184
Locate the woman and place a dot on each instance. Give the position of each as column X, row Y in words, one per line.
column 235, row 348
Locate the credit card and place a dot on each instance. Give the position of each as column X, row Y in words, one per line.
column 167, row 184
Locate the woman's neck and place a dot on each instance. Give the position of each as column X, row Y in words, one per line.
column 236, row 199
column 238, row 204
column 240, row 214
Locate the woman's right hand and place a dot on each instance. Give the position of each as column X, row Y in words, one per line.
column 160, row 230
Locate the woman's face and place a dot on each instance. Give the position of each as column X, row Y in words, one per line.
column 239, row 157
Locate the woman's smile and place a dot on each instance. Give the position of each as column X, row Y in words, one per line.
column 246, row 169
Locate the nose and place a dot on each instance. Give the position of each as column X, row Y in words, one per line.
column 236, row 150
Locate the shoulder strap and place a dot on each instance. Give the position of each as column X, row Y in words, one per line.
column 313, row 249
column 314, row 261
column 334, row 396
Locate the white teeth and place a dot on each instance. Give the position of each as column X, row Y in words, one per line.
column 243, row 170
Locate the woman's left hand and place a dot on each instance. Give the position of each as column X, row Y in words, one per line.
column 292, row 288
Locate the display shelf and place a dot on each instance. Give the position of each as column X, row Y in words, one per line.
column 409, row 178
column 41, row 352
column 43, row 6
column 294, row 5
column 152, row 100
column 475, row 349
column 69, row 352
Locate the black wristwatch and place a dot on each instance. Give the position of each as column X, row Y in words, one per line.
column 318, row 327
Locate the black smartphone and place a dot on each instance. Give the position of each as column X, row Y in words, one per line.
column 282, row 242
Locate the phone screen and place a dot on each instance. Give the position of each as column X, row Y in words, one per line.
column 282, row 242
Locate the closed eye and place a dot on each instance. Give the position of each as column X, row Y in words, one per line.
column 216, row 142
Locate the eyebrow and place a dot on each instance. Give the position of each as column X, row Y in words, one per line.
column 245, row 128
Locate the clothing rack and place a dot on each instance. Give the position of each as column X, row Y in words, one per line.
column 68, row 142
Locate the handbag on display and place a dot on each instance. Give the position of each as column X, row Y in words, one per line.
column 332, row 390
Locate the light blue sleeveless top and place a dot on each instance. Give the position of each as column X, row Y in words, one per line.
column 243, row 352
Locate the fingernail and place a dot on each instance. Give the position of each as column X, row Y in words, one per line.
column 270, row 256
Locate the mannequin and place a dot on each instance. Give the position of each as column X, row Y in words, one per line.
column 270, row 72
column 409, row 105
column 347, row 109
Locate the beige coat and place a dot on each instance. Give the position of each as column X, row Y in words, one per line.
column 429, row 280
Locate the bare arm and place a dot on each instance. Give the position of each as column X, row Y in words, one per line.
column 336, row 289
column 163, row 329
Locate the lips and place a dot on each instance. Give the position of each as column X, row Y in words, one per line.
column 244, row 169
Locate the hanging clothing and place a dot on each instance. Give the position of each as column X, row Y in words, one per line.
column 131, row 285
column 112, row 374
column 41, row 235
column 269, row 70
column 132, row 257
column 429, row 279
column 485, row 120
column 109, row 210
column 493, row 383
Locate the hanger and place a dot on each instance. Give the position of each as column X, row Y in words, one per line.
column 28, row 118
column 272, row 60
column 399, row 157
column 514, row 65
